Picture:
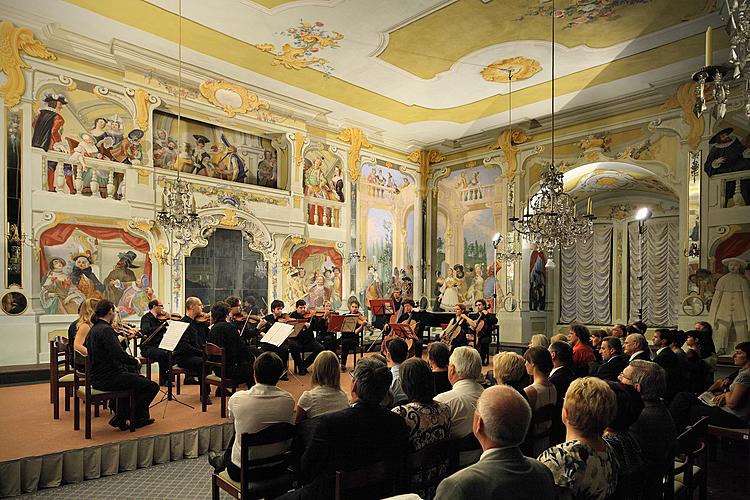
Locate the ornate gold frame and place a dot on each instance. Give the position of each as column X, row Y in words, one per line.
column 248, row 100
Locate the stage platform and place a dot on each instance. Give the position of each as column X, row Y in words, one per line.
column 39, row 452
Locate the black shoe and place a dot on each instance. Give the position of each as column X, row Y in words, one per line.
column 119, row 423
column 217, row 461
column 303, row 371
column 143, row 422
column 191, row 381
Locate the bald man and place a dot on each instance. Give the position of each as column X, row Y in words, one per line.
column 500, row 424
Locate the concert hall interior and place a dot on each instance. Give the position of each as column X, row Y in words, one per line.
column 361, row 249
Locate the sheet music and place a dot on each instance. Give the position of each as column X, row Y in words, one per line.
column 707, row 398
column 277, row 334
column 173, row 335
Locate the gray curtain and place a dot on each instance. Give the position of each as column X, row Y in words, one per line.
column 586, row 279
column 661, row 275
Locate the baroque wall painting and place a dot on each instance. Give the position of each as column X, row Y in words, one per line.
column 386, row 201
column 323, row 175
column 82, row 124
column 212, row 151
column 466, row 224
column 80, row 262
column 315, row 276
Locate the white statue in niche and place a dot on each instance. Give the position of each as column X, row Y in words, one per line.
column 731, row 304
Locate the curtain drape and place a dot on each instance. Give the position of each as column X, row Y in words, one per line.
column 586, row 279
column 660, row 271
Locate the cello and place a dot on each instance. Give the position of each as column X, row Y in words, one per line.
column 410, row 338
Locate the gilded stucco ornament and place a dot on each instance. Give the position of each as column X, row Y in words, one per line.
column 507, row 141
column 521, row 68
column 425, row 159
column 684, row 99
column 230, row 218
column 357, row 140
column 13, row 41
column 232, row 98
column 142, row 99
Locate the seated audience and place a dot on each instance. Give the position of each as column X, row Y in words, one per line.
column 540, row 393
column 596, row 342
column 509, row 368
column 625, row 448
column 561, row 377
column 252, row 411
column 237, row 356
column 539, row 339
column 113, row 369
column 428, row 421
column 325, row 395
column 354, row 437
column 699, row 372
column 730, row 405
column 84, row 324
column 583, row 466
column 396, row 353
column 560, row 337
column 619, row 330
column 613, row 360
column 667, row 359
column 437, row 355
column 706, row 342
column 464, row 369
column 583, row 354
column 72, row 327
column 654, row 430
column 636, row 347
column 500, row 424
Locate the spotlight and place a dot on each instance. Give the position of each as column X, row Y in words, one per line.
column 497, row 239
column 643, row 214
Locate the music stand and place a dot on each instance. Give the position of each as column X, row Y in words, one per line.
column 382, row 307
column 299, row 325
column 405, row 332
column 168, row 343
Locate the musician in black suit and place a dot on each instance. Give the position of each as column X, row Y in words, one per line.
column 406, row 317
column 111, row 369
column 277, row 314
column 354, row 437
column 484, row 336
column 150, row 345
column 667, row 359
column 561, row 377
column 188, row 353
column 613, row 360
column 237, row 356
column 305, row 340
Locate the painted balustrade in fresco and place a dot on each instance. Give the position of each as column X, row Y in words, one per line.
column 323, row 213
column 78, row 176
column 732, row 187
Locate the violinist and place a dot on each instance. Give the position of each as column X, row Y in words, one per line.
column 350, row 341
column 485, row 322
column 305, row 340
column 153, row 319
column 189, row 351
column 277, row 314
column 246, row 324
column 406, row 317
column 239, row 359
column 455, row 333
column 319, row 324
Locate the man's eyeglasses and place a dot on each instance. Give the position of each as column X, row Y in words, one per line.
column 622, row 374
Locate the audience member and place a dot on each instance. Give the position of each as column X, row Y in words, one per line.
column 731, row 398
column 560, row 337
column 641, row 326
column 539, row 339
column 625, row 448
column 619, row 331
column 509, row 368
column 699, row 372
column 437, row 355
column 654, row 430
column 325, row 395
column 584, row 466
column 540, row 393
column 237, row 356
column 354, row 437
column 636, row 347
column 596, row 342
column 464, row 369
column 252, row 411
column 561, row 377
column 613, row 360
column 500, row 424
column 582, row 352
column 667, row 359
column 707, row 348
column 396, row 352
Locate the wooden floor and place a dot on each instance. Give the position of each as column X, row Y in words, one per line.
column 29, row 429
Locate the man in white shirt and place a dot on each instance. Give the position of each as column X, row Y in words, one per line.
column 636, row 346
column 464, row 369
column 255, row 409
column 396, row 352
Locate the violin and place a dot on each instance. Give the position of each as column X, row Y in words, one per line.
column 164, row 316
column 203, row 318
column 127, row 330
column 244, row 317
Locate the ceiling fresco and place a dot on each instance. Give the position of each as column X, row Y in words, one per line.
column 612, row 178
column 421, row 70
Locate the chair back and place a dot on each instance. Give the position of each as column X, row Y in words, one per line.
column 270, row 466
column 212, row 352
column 59, row 354
column 378, row 480
column 537, row 431
column 81, row 359
column 459, row 445
column 430, row 465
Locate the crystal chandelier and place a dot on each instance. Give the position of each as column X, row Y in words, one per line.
column 178, row 214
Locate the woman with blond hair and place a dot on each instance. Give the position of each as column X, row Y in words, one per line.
column 326, row 394
column 539, row 339
column 83, row 326
column 509, row 368
column 584, row 465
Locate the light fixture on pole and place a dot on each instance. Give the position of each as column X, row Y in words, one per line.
column 641, row 216
column 550, row 220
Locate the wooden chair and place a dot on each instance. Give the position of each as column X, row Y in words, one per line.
column 425, row 468
column 274, row 480
column 51, row 336
column 468, row 443
column 681, row 480
column 539, row 416
column 174, row 374
column 59, row 356
column 93, row 396
column 144, row 360
column 698, row 452
column 378, row 480
column 719, row 433
column 208, row 378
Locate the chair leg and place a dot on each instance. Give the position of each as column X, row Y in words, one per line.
column 204, row 400
column 87, row 423
column 56, row 404
column 148, row 369
column 67, row 398
column 132, row 412
column 76, row 413
column 214, row 488
column 177, row 376
column 96, row 410
column 223, row 411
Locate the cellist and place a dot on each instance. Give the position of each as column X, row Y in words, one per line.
column 485, row 322
column 413, row 341
column 455, row 332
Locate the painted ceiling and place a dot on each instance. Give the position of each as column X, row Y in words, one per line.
column 612, row 177
column 418, row 71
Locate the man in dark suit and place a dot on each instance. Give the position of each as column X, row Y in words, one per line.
column 354, row 437
column 636, row 347
column 667, row 359
column 654, row 430
column 500, row 424
column 237, row 356
column 561, row 376
column 613, row 360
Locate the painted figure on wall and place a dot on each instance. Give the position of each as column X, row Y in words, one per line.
column 267, row 168
column 314, row 277
column 83, row 277
column 48, row 125
column 728, row 155
column 373, row 286
column 55, row 295
column 537, row 282
column 120, row 277
column 449, row 292
column 297, row 289
column 730, row 307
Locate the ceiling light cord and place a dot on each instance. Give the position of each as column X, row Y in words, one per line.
column 553, row 82
column 179, row 76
